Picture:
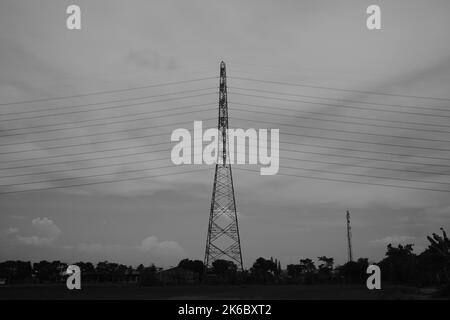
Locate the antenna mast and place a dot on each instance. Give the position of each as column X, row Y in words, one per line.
column 349, row 238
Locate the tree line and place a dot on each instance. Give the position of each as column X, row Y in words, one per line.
column 400, row 266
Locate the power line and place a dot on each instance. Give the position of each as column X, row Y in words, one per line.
column 347, row 122
column 376, row 152
column 368, row 167
column 357, row 157
column 168, row 150
column 288, row 167
column 188, row 112
column 336, row 99
column 82, row 160
column 101, row 124
column 347, row 149
column 367, row 142
column 107, row 107
column 88, row 176
column 345, row 116
column 106, row 92
column 340, row 89
column 351, row 140
column 103, row 182
column 154, row 151
column 366, row 175
column 88, row 152
column 236, row 168
column 98, row 119
column 340, row 130
column 298, row 144
column 285, row 167
column 349, row 181
column 161, row 143
column 343, row 106
column 107, row 102
column 92, row 143
column 89, row 167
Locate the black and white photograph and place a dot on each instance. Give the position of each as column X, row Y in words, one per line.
column 241, row 151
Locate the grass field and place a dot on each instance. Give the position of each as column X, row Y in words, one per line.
column 119, row 291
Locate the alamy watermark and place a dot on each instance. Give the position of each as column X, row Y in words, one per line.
column 74, row 277
column 374, row 280
column 250, row 146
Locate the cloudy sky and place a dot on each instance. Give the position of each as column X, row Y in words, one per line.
column 164, row 218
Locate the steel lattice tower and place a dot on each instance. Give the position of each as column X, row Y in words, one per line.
column 223, row 240
column 349, row 238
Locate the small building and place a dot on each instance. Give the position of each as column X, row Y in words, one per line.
column 177, row 275
column 132, row 276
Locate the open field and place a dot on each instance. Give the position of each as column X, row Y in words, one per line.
column 120, row 291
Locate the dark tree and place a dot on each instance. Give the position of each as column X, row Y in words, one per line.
column 148, row 276
column 193, row 265
column 440, row 244
column 140, row 267
column 354, row 271
column 325, row 268
column 86, row 267
column 294, row 271
column 307, row 266
column 434, row 262
column 16, row 271
column 223, row 267
column 308, row 270
column 327, row 264
column 106, row 271
column 263, row 270
column 49, row 271
column 400, row 264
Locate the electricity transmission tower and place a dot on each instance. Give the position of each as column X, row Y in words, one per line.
column 349, row 238
column 223, row 240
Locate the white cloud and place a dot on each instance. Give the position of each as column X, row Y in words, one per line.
column 47, row 231
column 46, row 226
column 11, row 230
column 152, row 244
column 35, row 241
column 150, row 249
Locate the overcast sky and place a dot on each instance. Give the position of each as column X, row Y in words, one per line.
column 125, row 44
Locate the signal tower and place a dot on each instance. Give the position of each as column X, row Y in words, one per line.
column 223, row 240
column 349, row 238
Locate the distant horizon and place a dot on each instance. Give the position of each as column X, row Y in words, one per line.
column 202, row 260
